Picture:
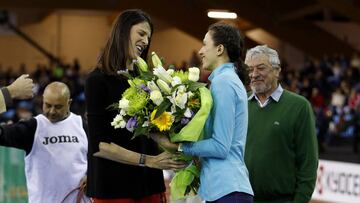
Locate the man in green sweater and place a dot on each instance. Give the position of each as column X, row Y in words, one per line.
column 281, row 149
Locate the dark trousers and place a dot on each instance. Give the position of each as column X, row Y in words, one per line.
column 156, row 198
column 235, row 197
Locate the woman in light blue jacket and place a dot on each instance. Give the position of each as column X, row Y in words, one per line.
column 224, row 177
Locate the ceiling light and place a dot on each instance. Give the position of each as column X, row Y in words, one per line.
column 222, row 14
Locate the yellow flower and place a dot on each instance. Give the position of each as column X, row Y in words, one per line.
column 163, row 122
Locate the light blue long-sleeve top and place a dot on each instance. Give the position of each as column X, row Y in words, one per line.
column 223, row 169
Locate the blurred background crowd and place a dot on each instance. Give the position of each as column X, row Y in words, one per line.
column 330, row 83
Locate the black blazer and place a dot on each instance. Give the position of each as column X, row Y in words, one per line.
column 106, row 178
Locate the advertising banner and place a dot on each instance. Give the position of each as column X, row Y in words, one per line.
column 337, row 182
column 12, row 176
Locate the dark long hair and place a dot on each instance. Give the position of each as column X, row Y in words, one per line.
column 116, row 51
column 233, row 41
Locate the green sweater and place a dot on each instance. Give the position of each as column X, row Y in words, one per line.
column 281, row 149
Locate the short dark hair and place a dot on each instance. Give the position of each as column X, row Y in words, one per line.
column 116, row 51
column 233, row 41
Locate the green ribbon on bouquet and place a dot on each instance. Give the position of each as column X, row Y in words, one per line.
column 186, row 181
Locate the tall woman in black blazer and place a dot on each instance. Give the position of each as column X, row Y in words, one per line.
column 108, row 180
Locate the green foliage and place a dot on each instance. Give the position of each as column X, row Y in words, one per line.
column 162, row 108
column 193, row 86
column 139, row 131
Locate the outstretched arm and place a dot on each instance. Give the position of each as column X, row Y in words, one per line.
column 114, row 152
column 21, row 88
column 19, row 135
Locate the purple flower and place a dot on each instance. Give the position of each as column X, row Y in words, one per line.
column 184, row 121
column 145, row 88
column 131, row 124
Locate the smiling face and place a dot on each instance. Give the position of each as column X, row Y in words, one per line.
column 209, row 53
column 263, row 77
column 139, row 39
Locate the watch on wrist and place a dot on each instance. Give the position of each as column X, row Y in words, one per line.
column 142, row 160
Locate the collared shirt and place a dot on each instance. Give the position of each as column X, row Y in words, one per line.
column 275, row 96
column 222, row 149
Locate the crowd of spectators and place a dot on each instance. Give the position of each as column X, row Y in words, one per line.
column 43, row 75
column 331, row 84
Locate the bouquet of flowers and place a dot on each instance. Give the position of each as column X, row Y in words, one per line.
column 167, row 101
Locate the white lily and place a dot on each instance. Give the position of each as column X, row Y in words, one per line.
column 156, row 97
column 155, row 60
column 170, row 71
column 163, row 86
column 161, row 73
column 181, row 88
column 152, row 86
column 181, row 99
column 141, row 64
column 194, row 74
column 176, row 81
